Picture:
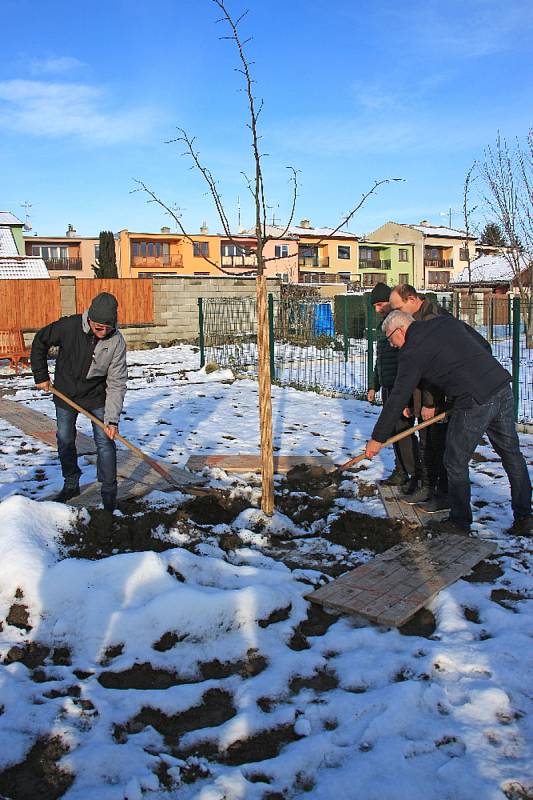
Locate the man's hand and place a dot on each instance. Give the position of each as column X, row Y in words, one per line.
column 372, row 448
column 407, row 412
column 111, row 431
column 44, row 386
column 371, row 395
column 427, row 413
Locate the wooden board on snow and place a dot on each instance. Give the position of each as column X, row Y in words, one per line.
column 393, row 586
column 397, row 508
column 40, row 426
column 252, row 463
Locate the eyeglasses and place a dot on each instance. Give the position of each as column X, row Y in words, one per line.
column 392, row 333
column 97, row 326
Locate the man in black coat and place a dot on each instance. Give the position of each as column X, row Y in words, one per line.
column 91, row 370
column 406, row 461
column 451, row 356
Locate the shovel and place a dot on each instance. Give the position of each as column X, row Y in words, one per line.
column 155, row 465
column 393, row 439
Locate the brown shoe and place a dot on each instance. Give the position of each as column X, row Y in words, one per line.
column 522, row 526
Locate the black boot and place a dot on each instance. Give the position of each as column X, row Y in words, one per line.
column 396, row 478
column 420, row 495
column 68, row 491
column 410, row 486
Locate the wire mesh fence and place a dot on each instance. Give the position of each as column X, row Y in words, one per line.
column 324, row 344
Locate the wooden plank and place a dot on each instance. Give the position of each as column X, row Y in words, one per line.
column 40, row 426
column 397, row 508
column 393, row 586
column 252, row 463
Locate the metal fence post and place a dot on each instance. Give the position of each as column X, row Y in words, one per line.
column 271, row 337
column 370, row 340
column 201, row 329
column 516, row 355
column 345, row 326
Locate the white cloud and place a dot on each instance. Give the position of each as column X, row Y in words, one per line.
column 60, row 110
column 56, row 66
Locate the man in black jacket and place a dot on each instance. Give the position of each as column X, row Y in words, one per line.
column 450, row 355
column 91, row 370
column 406, row 463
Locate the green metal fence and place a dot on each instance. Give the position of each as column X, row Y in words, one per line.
column 329, row 344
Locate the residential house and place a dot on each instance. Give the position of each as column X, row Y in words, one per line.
column 385, row 262
column 65, row 255
column 13, row 262
column 491, row 274
column 440, row 252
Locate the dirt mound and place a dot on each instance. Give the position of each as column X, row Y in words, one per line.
column 38, row 777
column 140, row 528
column 358, row 531
column 215, row 509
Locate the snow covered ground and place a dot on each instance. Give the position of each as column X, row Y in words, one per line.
column 201, row 671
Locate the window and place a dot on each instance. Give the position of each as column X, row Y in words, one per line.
column 371, row 278
column 281, row 250
column 403, row 254
column 97, row 251
column 344, row 251
column 463, row 254
column 201, row 249
column 49, row 252
column 438, row 277
column 345, row 277
column 368, row 253
column 283, row 277
column 403, row 277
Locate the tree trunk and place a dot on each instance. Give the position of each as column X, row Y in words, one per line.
column 265, row 398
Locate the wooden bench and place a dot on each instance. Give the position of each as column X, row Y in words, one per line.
column 13, row 348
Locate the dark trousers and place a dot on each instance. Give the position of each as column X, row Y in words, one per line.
column 465, row 429
column 106, row 451
column 406, row 450
column 431, row 446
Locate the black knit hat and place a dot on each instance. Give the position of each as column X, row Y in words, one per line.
column 380, row 293
column 103, row 309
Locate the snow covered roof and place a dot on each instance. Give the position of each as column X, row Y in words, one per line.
column 487, row 269
column 441, row 230
column 8, row 246
column 298, row 230
column 23, row 267
column 7, row 218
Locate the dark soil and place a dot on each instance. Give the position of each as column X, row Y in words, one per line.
column 507, row 598
column 132, row 532
column 252, row 665
column 214, row 509
column 31, row 654
column 141, row 676
column 19, row 617
column 422, row 624
column 357, row 531
column 215, row 709
column 259, row 747
column 484, row 572
column 38, row 777
column 322, row 681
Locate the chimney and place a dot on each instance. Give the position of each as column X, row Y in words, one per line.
column 204, row 230
column 165, row 229
column 71, row 231
column 425, row 222
column 304, row 223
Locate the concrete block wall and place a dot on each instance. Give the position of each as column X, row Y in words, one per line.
column 175, row 305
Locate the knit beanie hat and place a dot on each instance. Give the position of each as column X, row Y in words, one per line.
column 380, row 293
column 103, row 309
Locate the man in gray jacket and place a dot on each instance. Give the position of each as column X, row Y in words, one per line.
column 90, row 370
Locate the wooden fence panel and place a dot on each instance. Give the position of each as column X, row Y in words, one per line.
column 29, row 303
column 134, row 295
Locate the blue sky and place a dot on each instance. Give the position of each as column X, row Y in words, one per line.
column 353, row 92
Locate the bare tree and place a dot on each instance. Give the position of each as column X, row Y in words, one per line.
column 468, row 212
column 507, row 173
column 262, row 235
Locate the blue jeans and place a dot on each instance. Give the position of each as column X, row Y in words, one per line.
column 465, row 429
column 106, row 451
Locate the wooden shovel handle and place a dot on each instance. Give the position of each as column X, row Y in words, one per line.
column 396, row 438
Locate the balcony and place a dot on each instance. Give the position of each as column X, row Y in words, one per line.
column 157, row 262
column 67, row 264
column 313, row 261
column 374, row 263
column 438, row 263
column 320, row 278
column 240, row 261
